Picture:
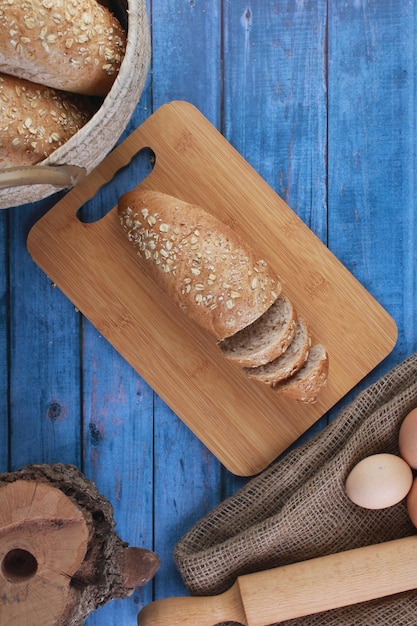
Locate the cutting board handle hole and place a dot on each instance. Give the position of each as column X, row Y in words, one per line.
column 125, row 179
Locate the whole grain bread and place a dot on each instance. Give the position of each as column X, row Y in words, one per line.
column 35, row 120
column 201, row 263
column 267, row 338
column 223, row 285
column 290, row 362
column 306, row 384
column 73, row 45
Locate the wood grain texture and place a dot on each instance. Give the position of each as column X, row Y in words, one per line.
column 275, row 105
column 186, row 60
column 298, row 589
column 372, row 156
column 275, row 99
column 245, row 424
column 44, row 367
column 187, row 54
column 4, row 344
column 323, row 107
column 118, row 453
column 118, row 420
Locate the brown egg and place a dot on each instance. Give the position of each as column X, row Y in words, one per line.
column 379, row 481
column 407, row 439
column 412, row 503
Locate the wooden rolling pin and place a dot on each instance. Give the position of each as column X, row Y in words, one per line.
column 296, row 590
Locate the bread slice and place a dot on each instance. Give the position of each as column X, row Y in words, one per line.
column 265, row 339
column 292, row 360
column 217, row 279
column 306, row 384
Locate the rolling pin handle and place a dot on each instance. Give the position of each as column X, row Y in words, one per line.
column 195, row 611
column 299, row 589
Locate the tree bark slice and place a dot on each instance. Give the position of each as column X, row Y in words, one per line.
column 60, row 557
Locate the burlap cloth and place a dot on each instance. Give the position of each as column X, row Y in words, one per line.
column 297, row 509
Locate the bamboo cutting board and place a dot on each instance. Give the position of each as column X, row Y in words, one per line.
column 245, row 424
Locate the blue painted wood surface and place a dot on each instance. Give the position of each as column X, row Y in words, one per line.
column 320, row 97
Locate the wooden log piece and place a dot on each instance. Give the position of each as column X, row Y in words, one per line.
column 60, row 557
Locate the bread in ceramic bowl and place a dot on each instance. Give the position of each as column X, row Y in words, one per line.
column 72, row 45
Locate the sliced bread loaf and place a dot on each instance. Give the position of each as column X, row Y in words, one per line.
column 266, row 338
column 223, row 285
column 305, row 385
column 214, row 276
column 290, row 362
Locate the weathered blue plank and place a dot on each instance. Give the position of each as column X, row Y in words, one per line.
column 118, row 453
column 275, row 104
column 186, row 487
column 187, row 481
column 44, row 363
column 372, row 154
column 259, row 71
column 4, row 344
column 118, row 414
column 186, row 52
column 275, row 98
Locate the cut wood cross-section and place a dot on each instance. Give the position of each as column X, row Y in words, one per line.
column 59, row 555
column 43, row 541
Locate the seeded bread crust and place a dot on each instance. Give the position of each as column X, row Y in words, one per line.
column 73, row 45
column 307, row 383
column 202, row 264
column 267, row 338
column 289, row 363
column 35, row 120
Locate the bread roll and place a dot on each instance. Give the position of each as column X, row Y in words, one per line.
column 36, row 120
column 72, row 45
column 201, row 263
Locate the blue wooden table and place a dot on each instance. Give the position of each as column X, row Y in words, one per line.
column 320, row 97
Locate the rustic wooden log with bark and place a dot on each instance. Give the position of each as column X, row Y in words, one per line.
column 60, row 557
